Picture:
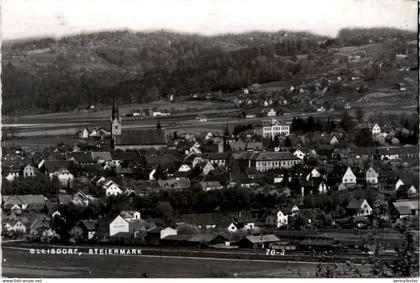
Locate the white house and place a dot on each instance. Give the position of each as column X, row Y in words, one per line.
column 130, row 215
column 234, row 227
column 376, row 130
column 168, row 231
column 13, row 174
column 348, row 179
column 184, row 168
column 313, row 174
column 85, row 133
column 64, row 176
column 15, row 226
column 112, row 189
column 194, row 150
column 282, row 219
column 93, row 133
column 398, row 184
column 28, row 171
column 360, row 206
column 299, row 154
column 207, row 168
column 119, row 224
column 273, row 128
column 372, row 176
column 271, row 113
column 334, row 140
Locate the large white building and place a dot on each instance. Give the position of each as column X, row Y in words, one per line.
column 274, row 160
column 273, row 128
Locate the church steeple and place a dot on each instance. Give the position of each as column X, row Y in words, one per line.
column 115, row 112
column 115, row 123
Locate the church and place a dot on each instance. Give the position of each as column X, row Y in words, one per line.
column 133, row 139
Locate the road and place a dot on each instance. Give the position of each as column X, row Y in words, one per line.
column 19, row 262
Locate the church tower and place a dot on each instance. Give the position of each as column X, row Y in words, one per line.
column 115, row 123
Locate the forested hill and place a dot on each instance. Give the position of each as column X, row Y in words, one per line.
column 48, row 75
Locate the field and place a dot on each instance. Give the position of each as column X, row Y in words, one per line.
column 19, row 262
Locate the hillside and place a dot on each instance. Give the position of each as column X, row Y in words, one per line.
column 48, row 75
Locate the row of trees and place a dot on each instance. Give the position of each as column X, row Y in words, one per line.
column 160, row 63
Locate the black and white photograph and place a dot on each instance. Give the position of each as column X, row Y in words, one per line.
column 209, row 139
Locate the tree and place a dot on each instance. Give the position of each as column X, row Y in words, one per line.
column 364, row 138
column 359, row 114
column 164, row 209
column 158, row 126
column 347, row 121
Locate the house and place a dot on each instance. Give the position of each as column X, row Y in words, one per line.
column 277, row 219
column 61, row 169
column 184, row 168
column 210, row 186
column 273, row 160
column 359, row 207
column 376, row 130
column 273, row 127
column 216, row 158
column 112, row 189
column 14, row 226
column 102, row 157
column 29, row 171
column 119, row 224
column 403, row 152
column 241, row 225
column 348, row 179
column 371, row 176
column 180, row 183
column 34, row 203
column 82, row 199
column 299, row 154
column 406, row 208
column 313, row 174
column 258, row 242
column 81, row 158
column 291, row 210
column 13, row 174
column 130, row 215
column 334, row 140
column 88, row 228
column 271, row 113
column 40, row 224
column 158, row 233
column 207, row 167
column 406, row 191
column 84, row 134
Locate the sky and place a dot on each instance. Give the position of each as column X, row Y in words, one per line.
column 39, row 18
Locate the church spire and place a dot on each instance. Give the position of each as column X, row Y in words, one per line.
column 115, row 112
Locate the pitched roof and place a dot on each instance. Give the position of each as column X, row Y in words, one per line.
column 89, row 224
column 105, row 155
column 355, row 203
column 177, row 183
column 142, row 137
column 81, row 157
column 277, row 156
column 52, row 166
column 262, row 239
column 33, row 201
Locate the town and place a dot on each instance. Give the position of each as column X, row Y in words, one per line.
column 311, row 169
